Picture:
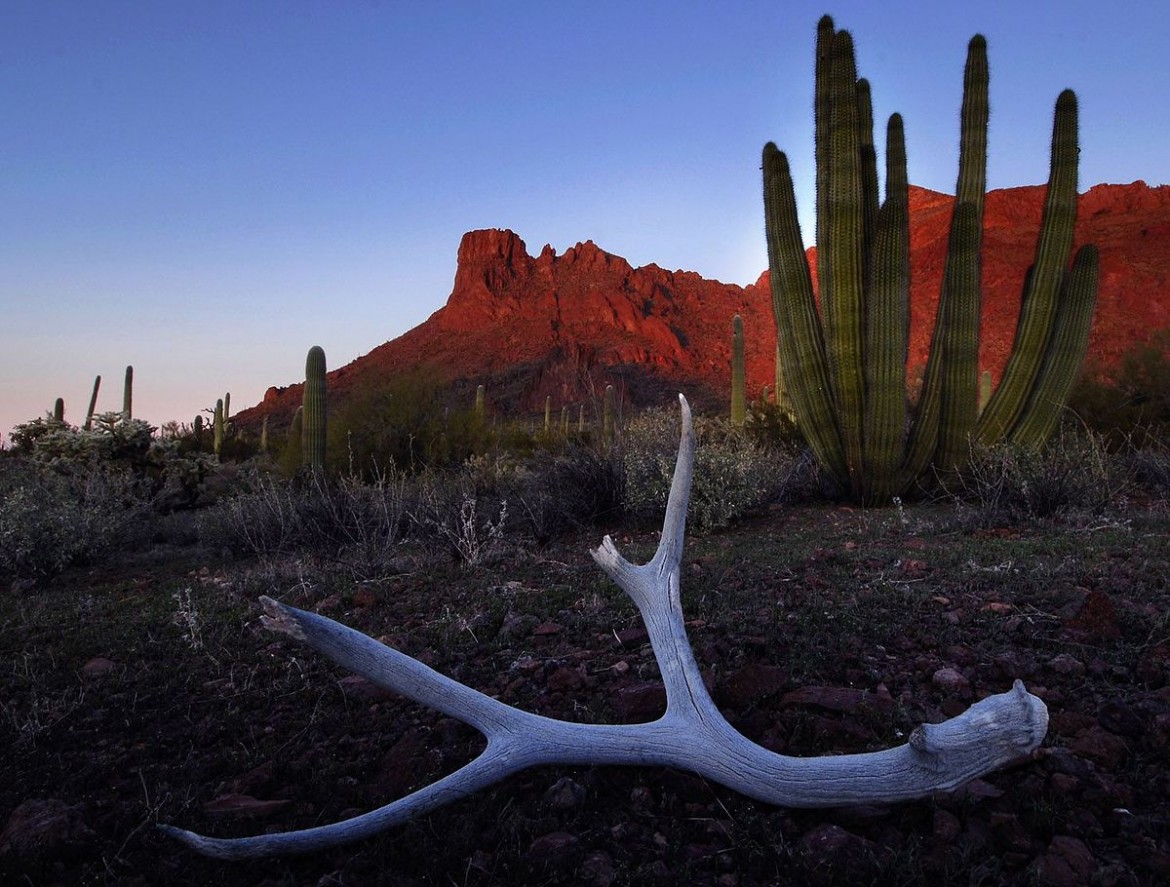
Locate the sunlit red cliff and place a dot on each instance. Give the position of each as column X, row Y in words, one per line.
column 566, row 325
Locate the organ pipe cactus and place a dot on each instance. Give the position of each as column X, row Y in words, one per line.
column 843, row 349
column 738, row 383
column 313, row 426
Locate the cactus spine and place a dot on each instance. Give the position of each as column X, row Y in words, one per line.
column 738, row 384
column 127, row 394
column 844, row 361
column 313, row 402
column 97, row 383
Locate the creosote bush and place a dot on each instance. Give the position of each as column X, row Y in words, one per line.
column 733, row 474
column 358, row 521
column 51, row 521
column 1073, row 474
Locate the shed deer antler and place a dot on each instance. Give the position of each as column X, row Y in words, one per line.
column 691, row 735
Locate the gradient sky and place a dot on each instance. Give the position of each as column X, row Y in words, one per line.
column 205, row 188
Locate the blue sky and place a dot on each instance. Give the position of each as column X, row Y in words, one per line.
column 204, row 189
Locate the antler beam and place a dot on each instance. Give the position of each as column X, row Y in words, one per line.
column 691, row 735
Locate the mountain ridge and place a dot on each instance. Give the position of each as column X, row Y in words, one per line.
column 563, row 326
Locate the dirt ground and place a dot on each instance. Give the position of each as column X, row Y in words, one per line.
column 147, row 692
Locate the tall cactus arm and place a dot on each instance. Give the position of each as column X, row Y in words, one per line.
column 1038, row 307
column 799, row 333
column 960, row 343
column 887, row 326
column 1066, row 352
column 843, row 302
column 928, row 434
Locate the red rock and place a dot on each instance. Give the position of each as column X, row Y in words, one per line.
column 572, row 320
column 847, row 700
column 640, row 702
column 1099, row 746
column 751, row 684
column 564, row 680
column 952, row 681
column 41, row 827
column 98, row 667
column 1068, row 862
column 555, row 848
column 1096, row 620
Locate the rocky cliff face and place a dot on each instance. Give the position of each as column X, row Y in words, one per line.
column 565, row 326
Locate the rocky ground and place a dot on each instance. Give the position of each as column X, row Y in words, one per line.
column 149, row 693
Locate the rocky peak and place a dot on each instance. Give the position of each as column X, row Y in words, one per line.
column 565, row 325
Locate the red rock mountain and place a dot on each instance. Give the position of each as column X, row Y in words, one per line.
column 565, row 326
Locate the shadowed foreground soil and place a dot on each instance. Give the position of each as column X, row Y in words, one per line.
column 149, row 693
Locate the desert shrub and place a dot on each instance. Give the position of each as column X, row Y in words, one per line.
column 1150, row 468
column 172, row 473
column 1130, row 405
column 51, row 520
column 773, row 427
column 408, row 424
column 447, row 515
column 348, row 519
column 570, row 488
column 733, row 474
column 1073, row 473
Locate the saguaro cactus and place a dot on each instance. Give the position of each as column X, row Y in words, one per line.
column 843, row 351
column 608, row 423
column 59, row 410
column 738, row 384
column 217, row 427
column 97, row 383
column 313, row 402
column 127, row 395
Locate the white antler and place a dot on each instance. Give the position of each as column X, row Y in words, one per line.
column 692, row 735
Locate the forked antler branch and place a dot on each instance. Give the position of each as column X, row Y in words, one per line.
column 691, row 735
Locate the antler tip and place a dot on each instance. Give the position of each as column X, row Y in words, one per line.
column 278, row 617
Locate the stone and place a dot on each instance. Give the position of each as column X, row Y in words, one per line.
column 951, row 681
column 1068, row 862
column 554, row 850
column 41, row 828
column 564, row 794
column 750, row 684
column 96, row 668
column 639, row 702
